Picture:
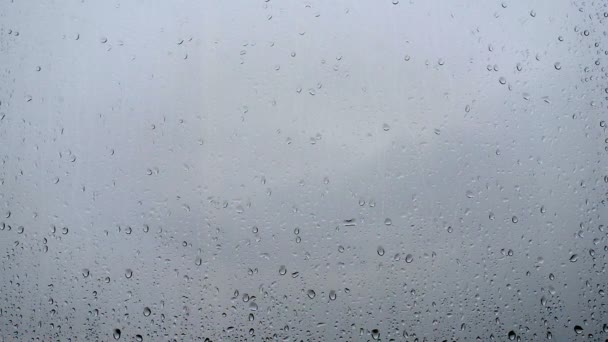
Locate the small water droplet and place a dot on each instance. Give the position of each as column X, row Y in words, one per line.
column 116, row 334
column 578, row 329
column 375, row 334
column 128, row 273
column 514, row 219
column 282, row 270
column 511, row 335
column 573, row 257
column 409, row 258
column 380, row 251
column 386, row 127
column 147, row 311
column 502, row 80
column 388, row 221
column 311, row 294
column 332, row 295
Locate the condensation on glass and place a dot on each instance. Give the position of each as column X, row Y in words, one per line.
column 303, row 170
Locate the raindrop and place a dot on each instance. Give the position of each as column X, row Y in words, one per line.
column 147, row 311
column 573, row 257
column 386, row 127
column 128, row 273
column 388, row 221
column 409, row 258
column 380, row 251
column 282, row 270
column 557, row 66
column 116, row 334
column 20, row 230
column 514, row 219
column 311, row 294
column 375, row 334
column 502, row 80
column 332, row 295
column 578, row 329
column 511, row 335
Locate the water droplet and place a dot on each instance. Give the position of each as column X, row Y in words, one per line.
column 332, row 295
column 578, row 329
column 139, row 338
column 388, row 221
column 380, row 251
column 386, row 127
column 282, row 270
column 253, row 306
column 407, row 58
column 514, row 219
column 128, row 273
column 20, row 230
column 375, row 334
column 255, row 229
column 395, row 2
column 103, row 40
column 341, row 249
column 311, row 294
column 573, row 257
column 64, row 230
column 511, row 335
column 147, row 311
column 602, row 123
column 491, row 216
column 532, row 13
column 557, row 66
column 85, row 272
column 198, row 261
column 543, row 209
column 116, row 334
column 502, row 80
column 409, row 258
column 450, row 229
